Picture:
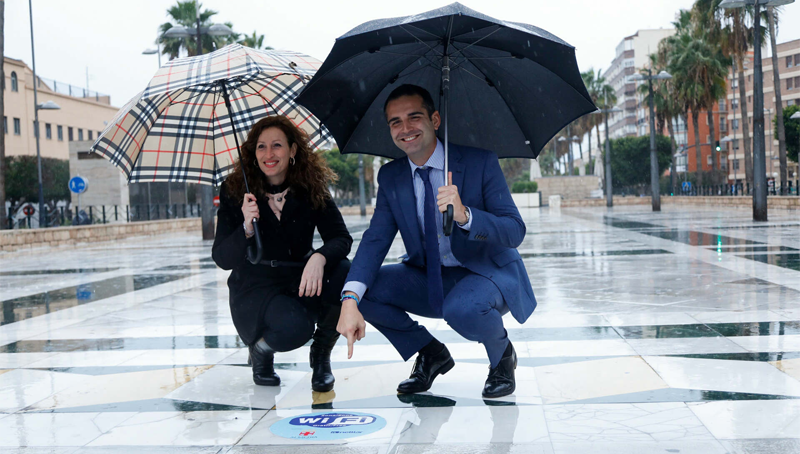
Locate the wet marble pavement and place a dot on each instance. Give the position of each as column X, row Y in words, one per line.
column 676, row 332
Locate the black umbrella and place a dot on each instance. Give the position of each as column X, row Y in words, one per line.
column 514, row 86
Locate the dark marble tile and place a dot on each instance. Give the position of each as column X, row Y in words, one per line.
column 420, row 400
column 753, row 249
column 104, row 370
column 14, row 310
column 147, row 405
column 64, row 271
column 678, row 395
column 757, row 328
column 131, row 343
column 665, row 331
column 789, row 261
column 750, row 356
column 694, row 238
column 763, row 446
column 594, row 253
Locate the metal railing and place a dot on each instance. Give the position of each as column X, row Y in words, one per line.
column 72, row 90
column 739, row 189
column 106, row 214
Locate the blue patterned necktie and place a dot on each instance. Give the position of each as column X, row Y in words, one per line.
column 433, row 261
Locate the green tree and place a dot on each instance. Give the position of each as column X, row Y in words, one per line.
column 22, row 179
column 630, row 161
column 185, row 13
column 346, row 167
column 792, row 128
column 255, row 41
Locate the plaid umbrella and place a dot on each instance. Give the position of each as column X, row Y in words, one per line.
column 179, row 128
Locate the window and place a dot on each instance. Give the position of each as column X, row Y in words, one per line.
column 734, row 104
column 735, row 164
column 14, row 82
column 749, row 101
column 69, row 133
column 48, row 131
column 797, row 82
column 5, row 124
column 80, row 134
column 734, row 124
column 797, row 59
column 735, row 83
column 17, row 127
column 789, row 83
column 789, row 61
column 723, row 105
column 735, row 145
column 708, row 138
column 35, row 129
column 60, row 132
column 90, row 134
column 748, row 77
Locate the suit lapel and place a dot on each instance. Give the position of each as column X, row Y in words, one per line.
column 457, row 167
column 408, row 203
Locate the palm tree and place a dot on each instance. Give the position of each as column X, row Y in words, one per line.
column 255, row 41
column 185, row 13
column 589, row 121
column 737, row 38
column 772, row 15
column 604, row 97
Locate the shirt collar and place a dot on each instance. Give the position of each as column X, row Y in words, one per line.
column 436, row 160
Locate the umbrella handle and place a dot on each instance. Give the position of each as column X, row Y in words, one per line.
column 447, row 221
column 254, row 254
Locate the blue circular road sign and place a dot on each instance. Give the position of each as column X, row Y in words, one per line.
column 78, row 184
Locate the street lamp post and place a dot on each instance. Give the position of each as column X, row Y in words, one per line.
column 796, row 116
column 49, row 105
column 759, row 158
column 654, row 174
column 206, row 191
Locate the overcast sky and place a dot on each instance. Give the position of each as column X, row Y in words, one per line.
column 108, row 37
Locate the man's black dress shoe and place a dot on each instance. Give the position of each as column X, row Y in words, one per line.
column 263, row 359
column 426, row 368
column 501, row 381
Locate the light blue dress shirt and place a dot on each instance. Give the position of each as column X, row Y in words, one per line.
column 437, row 176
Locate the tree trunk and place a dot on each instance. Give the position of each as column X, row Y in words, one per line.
column 698, row 154
column 3, row 214
column 712, row 139
column 589, row 158
column 672, row 178
column 778, row 104
column 748, row 157
column 599, row 140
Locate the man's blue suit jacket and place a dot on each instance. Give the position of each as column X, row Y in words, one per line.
column 488, row 249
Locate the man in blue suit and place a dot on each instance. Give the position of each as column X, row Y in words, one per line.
column 470, row 278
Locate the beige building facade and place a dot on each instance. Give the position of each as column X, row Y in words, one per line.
column 81, row 117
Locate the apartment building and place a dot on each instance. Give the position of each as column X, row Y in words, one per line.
column 82, row 114
column 789, row 71
column 632, row 53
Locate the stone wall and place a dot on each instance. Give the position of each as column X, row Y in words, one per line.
column 569, row 188
column 773, row 202
column 29, row 239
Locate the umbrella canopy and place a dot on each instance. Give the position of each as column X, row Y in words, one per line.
column 512, row 86
column 179, row 128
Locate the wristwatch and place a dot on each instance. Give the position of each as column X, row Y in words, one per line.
column 246, row 233
column 466, row 213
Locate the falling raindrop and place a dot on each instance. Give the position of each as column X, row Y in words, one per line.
column 390, row 40
column 362, row 85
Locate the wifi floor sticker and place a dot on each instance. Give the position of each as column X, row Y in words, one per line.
column 328, row 426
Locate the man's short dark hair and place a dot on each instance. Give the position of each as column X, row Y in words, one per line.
column 412, row 90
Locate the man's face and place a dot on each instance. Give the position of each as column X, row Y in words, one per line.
column 413, row 131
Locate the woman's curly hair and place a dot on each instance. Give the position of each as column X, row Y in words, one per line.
column 309, row 174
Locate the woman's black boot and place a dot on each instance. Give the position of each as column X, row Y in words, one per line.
column 263, row 359
column 320, row 359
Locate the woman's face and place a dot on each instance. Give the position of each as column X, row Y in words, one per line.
column 273, row 153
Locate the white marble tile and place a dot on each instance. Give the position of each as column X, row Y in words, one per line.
column 592, row 379
column 85, row 358
column 22, row 387
column 179, row 357
column 233, row 385
column 15, row 360
column 724, row 375
column 198, row 428
column 458, row 425
column 682, row 447
column 601, row 423
column 684, row 346
column 750, row 419
column 124, row 387
column 785, row 343
column 602, row 347
column 56, row 429
column 80, row 331
column 651, row 318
